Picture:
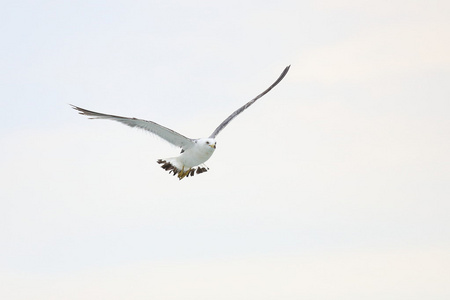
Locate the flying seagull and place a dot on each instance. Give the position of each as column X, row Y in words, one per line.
column 194, row 152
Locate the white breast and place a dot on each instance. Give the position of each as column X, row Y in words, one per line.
column 196, row 155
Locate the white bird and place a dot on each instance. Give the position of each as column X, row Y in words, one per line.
column 194, row 152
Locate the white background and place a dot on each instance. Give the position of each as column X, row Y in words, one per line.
column 335, row 185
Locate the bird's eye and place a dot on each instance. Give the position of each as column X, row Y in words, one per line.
column 207, row 143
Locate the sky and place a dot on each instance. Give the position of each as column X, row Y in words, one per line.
column 335, row 185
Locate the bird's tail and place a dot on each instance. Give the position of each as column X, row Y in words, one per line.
column 173, row 165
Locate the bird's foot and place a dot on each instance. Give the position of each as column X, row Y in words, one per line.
column 184, row 173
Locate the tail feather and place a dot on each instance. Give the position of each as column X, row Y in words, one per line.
column 173, row 166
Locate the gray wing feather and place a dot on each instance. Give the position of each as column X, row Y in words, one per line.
column 237, row 112
column 165, row 133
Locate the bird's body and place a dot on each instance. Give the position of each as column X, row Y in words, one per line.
column 199, row 153
column 194, row 151
column 184, row 164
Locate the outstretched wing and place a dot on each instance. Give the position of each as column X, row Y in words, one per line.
column 165, row 133
column 237, row 112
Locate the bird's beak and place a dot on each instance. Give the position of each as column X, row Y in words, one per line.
column 213, row 146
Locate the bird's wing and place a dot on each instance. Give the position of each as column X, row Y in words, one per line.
column 165, row 133
column 237, row 112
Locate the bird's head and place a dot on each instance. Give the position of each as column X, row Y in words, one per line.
column 207, row 142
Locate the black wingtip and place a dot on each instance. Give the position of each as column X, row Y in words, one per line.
column 76, row 108
column 79, row 109
column 285, row 71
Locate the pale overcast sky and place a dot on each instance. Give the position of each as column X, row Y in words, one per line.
column 335, row 185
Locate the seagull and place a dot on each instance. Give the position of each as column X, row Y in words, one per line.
column 194, row 152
